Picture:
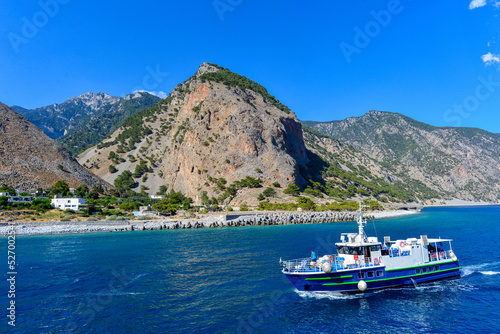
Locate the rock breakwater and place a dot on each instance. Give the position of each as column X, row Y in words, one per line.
column 281, row 218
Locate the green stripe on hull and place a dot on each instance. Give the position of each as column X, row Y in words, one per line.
column 393, row 278
column 312, row 278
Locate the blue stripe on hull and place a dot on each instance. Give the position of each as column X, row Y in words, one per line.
column 347, row 281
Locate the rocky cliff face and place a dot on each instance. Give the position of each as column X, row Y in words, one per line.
column 458, row 162
column 215, row 125
column 30, row 159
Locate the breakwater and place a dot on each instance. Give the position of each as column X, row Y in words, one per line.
column 275, row 218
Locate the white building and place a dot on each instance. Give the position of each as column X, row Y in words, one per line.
column 74, row 203
column 157, row 197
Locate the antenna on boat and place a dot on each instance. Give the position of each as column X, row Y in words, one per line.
column 361, row 222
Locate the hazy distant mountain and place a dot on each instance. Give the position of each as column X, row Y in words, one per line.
column 86, row 119
column 100, row 124
column 56, row 119
column 460, row 162
column 30, row 159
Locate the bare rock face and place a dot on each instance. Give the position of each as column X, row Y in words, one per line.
column 218, row 125
column 30, row 159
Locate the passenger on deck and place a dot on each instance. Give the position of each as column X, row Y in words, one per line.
column 431, row 251
column 385, row 250
column 313, row 256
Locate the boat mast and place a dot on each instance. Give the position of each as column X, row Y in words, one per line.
column 361, row 222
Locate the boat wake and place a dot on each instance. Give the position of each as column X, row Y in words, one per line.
column 483, row 269
column 119, row 293
column 331, row 295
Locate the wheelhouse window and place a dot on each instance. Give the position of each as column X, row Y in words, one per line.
column 375, row 248
column 350, row 250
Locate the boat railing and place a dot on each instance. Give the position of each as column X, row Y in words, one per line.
column 300, row 265
column 337, row 262
column 439, row 255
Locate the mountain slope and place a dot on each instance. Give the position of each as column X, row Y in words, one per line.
column 103, row 111
column 30, row 159
column 107, row 119
column 461, row 162
column 55, row 119
column 339, row 170
column 214, row 130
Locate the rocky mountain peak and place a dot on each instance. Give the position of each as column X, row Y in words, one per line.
column 207, row 68
column 93, row 100
column 136, row 95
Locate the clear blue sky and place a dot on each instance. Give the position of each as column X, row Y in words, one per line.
column 426, row 60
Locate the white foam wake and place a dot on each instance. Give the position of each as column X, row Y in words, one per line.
column 488, row 272
column 478, row 268
column 328, row 295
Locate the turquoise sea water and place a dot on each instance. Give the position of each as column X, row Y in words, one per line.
column 228, row 280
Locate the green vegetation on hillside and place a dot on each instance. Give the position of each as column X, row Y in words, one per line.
column 338, row 178
column 106, row 120
column 135, row 129
column 230, row 79
column 307, row 204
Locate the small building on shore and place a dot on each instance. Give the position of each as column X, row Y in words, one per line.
column 73, row 203
column 159, row 197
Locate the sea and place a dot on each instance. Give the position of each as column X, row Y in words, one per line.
column 228, row 280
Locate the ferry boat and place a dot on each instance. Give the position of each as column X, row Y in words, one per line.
column 364, row 264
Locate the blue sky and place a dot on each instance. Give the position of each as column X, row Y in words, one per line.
column 437, row 62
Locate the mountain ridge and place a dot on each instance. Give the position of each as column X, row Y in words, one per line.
column 69, row 118
column 252, row 134
column 461, row 162
column 219, row 116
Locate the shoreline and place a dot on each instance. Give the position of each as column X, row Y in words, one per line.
column 243, row 219
column 458, row 202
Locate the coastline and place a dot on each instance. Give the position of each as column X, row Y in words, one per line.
column 458, row 202
column 241, row 219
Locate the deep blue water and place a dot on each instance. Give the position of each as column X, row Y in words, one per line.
column 229, row 280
